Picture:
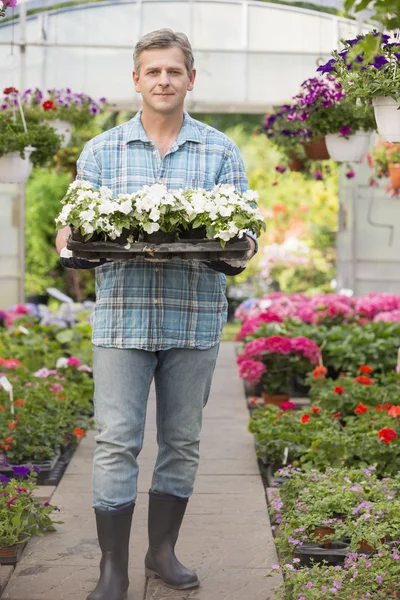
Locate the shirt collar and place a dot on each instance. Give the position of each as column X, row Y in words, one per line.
column 188, row 132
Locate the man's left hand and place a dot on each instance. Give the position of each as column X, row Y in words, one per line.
column 242, row 262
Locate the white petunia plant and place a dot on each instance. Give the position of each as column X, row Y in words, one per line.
column 224, row 212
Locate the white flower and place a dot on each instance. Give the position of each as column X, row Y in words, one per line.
column 87, row 215
column 106, row 192
column 126, row 207
column 226, row 211
column 251, row 196
column 151, row 227
column 107, row 207
column 62, row 362
column 223, row 235
column 154, row 214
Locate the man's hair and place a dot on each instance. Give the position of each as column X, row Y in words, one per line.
column 164, row 38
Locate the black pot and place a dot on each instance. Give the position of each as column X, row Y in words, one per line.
column 78, row 237
column 200, row 233
column 123, row 238
column 38, row 299
column 333, row 552
column 160, row 237
column 298, row 388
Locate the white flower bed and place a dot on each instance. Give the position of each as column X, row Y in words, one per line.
column 223, row 211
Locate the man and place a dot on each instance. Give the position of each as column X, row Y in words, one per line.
column 153, row 320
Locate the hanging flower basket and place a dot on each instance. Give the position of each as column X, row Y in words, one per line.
column 394, row 174
column 387, row 115
column 316, row 150
column 14, row 169
column 63, row 129
column 352, row 149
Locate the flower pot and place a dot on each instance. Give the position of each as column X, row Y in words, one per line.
column 200, row 233
column 316, row 150
column 12, row 554
column 63, row 129
column 296, row 164
column 77, row 236
column 387, row 116
column 160, row 237
column 275, row 399
column 352, row 149
column 394, row 174
column 14, row 169
column 123, row 238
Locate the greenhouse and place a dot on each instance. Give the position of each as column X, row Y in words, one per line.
column 199, row 299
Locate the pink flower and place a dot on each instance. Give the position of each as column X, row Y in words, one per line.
column 307, row 348
column 85, row 368
column 73, row 361
column 350, row 174
column 56, row 387
column 12, row 501
column 287, row 405
column 251, row 370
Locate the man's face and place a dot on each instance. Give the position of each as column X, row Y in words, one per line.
column 163, row 80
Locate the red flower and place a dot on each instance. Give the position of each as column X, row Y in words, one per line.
column 254, row 400
column 10, row 90
column 394, row 411
column 9, row 439
column 19, row 402
column 305, row 418
column 12, row 424
column 361, row 408
column 338, row 390
column 49, row 105
column 379, row 407
column 79, row 433
column 387, row 435
column 316, row 409
column 364, row 380
column 387, row 406
column 2, row 408
column 337, row 415
column 5, row 446
column 365, row 370
column 319, row 372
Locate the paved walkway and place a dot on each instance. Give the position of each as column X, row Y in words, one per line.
column 225, row 536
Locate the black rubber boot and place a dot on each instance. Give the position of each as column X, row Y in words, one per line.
column 113, row 531
column 165, row 518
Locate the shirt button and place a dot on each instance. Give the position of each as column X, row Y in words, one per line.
column 155, row 301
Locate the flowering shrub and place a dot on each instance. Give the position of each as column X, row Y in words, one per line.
column 285, row 134
column 21, row 515
column 322, row 108
column 272, row 360
column 378, row 77
column 223, row 211
column 64, row 104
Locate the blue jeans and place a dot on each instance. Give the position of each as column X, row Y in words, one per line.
column 122, row 380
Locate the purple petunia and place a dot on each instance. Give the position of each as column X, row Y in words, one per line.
column 379, row 62
column 318, row 175
column 21, row 471
column 4, row 479
column 345, row 130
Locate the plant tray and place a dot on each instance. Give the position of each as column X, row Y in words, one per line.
column 54, row 477
column 332, row 552
column 10, row 556
column 201, row 250
column 272, row 480
column 46, row 467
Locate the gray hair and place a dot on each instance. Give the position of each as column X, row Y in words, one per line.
column 164, row 38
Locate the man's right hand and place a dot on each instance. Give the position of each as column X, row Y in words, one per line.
column 72, row 262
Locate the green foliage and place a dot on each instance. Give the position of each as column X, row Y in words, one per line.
column 386, row 12
column 13, row 138
column 324, row 121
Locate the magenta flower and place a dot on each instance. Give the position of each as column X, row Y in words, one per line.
column 350, row 174
column 345, row 130
column 318, row 175
column 287, row 405
column 73, row 361
column 280, row 169
column 12, row 501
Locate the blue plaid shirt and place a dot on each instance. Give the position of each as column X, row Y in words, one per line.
column 175, row 304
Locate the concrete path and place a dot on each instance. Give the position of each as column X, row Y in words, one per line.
column 225, row 536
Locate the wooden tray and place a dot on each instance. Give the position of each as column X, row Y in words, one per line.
column 202, row 250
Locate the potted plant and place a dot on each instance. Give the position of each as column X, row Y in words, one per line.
column 21, row 515
column 284, row 135
column 326, row 112
column 5, row 5
column 61, row 109
column 222, row 212
column 273, row 360
column 20, row 149
column 377, row 80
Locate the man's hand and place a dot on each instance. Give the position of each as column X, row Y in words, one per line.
column 71, row 262
column 242, row 262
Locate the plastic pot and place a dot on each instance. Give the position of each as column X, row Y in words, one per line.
column 12, row 554
column 387, row 116
column 14, row 169
column 394, row 174
column 200, row 233
column 333, row 552
column 316, row 150
column 352, row 149
column 63, row 129
column 160, row 237
column 275, row 399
